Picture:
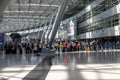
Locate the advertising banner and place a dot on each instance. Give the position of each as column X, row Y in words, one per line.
column 70, row 28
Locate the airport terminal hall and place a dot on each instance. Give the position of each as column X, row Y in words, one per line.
column 59, row 39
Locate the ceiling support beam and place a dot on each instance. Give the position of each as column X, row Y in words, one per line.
column 26, row 17
column 57, row 21
column 37, row 12
column 3, row 4
column 34, row 5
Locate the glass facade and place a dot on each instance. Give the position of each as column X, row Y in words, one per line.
column 105, row 5
column 104, row 23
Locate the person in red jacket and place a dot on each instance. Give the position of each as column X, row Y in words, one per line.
column 65, row 46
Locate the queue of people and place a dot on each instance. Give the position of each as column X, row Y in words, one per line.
column 63, row 46
column 84, row 45
column 28, row 47
column 66, row 46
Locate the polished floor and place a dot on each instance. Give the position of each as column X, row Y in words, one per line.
column 16, row 66
column 85, row 66
column 61, row 66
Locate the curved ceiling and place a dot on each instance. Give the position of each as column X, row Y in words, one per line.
column 28, row 14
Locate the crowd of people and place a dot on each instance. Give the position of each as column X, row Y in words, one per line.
column 85, row 45
column 28, row 47
column 64, row 46
column 72, row 45
column 36, row 46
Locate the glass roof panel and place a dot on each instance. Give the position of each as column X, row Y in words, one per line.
column 27, row 14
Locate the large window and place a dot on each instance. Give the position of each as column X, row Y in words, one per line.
column 105, row 5
column 104, row 23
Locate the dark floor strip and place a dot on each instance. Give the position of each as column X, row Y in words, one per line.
column 41, row 70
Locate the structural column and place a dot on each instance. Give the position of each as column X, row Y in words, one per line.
column 58, row 19
column 3, row 4
column 43, row 31
column 49, row 27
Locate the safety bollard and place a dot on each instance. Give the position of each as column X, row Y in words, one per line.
column 102, row 47
column 60, row 49
column 113, row 47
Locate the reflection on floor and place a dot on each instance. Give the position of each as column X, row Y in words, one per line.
column 87, row 58
column 85, row 66
column 84, row 72
column 65, row 66
column 16, row 66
